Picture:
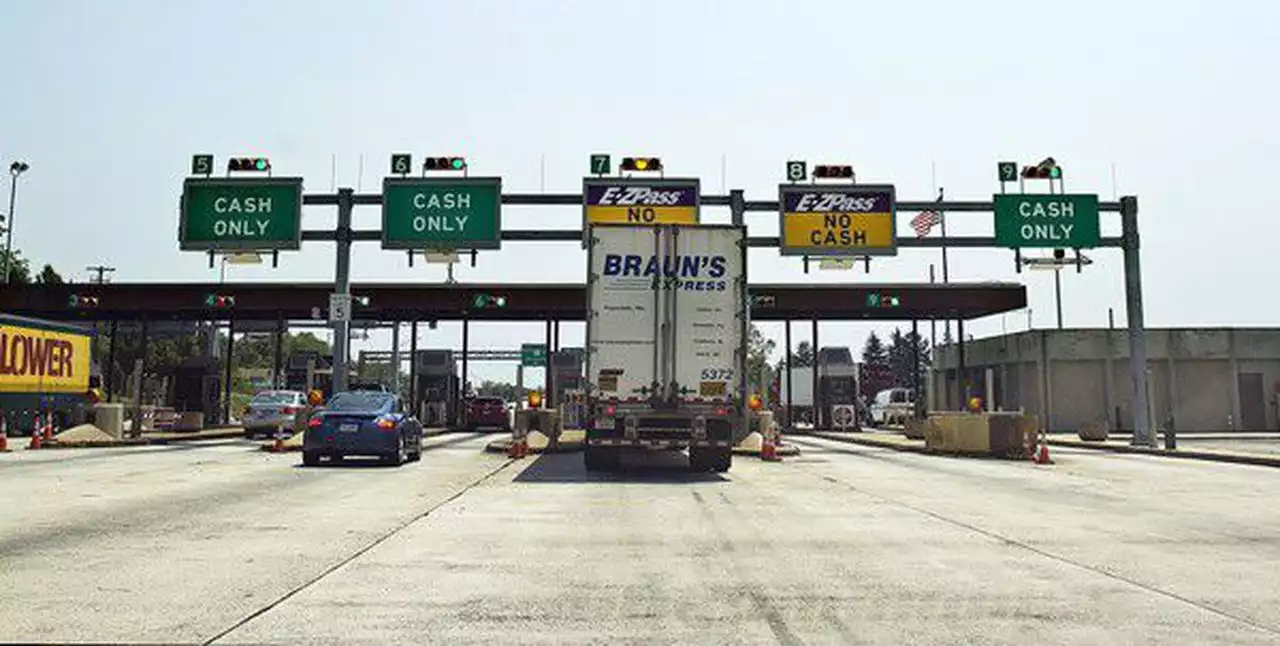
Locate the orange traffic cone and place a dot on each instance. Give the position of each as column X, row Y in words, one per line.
column 4, row 433
column 278, row 445
column 47, row 429
column 768, row 447
column 515, row 450
column 1043, row 456
column 35, row 440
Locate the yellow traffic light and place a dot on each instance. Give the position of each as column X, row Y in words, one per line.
column 315, row 398
column 535, row 399
column 754, row 402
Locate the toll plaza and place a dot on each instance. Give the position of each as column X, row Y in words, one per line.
column 276, row 307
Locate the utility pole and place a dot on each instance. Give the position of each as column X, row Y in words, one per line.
column 101, row 271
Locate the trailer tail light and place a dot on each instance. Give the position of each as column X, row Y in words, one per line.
column 314, row 422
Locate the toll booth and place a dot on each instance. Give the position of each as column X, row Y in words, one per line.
column 567, row 367
column 295, row 372
column 435, row 387
column 197, row 387
column 838, row 386
column 573, row 409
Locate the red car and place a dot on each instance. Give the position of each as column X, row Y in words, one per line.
column 488, row 412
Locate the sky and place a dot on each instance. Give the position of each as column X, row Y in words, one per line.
column 1172, row 102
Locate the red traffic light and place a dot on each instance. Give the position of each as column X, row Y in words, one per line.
column 829, row 171
column 641, row 164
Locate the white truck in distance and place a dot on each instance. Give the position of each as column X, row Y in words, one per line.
column 666, row 341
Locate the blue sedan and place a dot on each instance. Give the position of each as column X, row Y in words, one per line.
column 363, row 423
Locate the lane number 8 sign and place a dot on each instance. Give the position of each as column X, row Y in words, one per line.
column 796, row 171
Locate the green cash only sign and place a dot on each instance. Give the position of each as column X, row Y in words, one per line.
column 240, row 214
column 1053, row 221
column 442, row 213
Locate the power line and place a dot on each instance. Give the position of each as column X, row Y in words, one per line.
column 101, row 271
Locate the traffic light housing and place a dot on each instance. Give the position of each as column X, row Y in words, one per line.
column 219, row 300
column 641, row 164
column 444, row 163
column 481, row 301
column 830, row 171
column 1047, row 169
column 876, row 299
column 254, row 164
column 82, row 301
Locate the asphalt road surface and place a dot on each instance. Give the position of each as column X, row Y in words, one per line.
column 220, row 543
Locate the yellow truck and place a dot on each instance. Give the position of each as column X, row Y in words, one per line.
column 45, row 368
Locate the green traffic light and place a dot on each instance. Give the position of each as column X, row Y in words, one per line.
column 210, row 300
column 457, row 163
column 260, row 164
column 500, row 301
column 1055, row 173
column 478, row 300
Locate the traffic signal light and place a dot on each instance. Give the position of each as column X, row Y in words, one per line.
column 1047, row 169
column 875, row 299
column 642, row 164
column 488, row 300
column 258, row 164
column 829, row 171
column 80, row 301
column 362, row 301
column 444, row 163
column 219, row 300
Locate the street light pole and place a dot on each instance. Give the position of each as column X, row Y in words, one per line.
column 15, row 169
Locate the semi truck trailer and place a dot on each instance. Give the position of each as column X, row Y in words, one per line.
column 667, row 324
column 44, row 369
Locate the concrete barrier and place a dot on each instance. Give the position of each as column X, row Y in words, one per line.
column 109, row 418
column 997, row 434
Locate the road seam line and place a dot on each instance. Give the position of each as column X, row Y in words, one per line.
column 357, row 554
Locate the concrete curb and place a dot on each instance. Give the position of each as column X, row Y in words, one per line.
column 1208, row 456
column 54, row 444
column 868, row 440
column 502, row 446
column 197, row 436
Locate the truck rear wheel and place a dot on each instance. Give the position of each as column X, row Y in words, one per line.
column 599, row 458
column 710, row 459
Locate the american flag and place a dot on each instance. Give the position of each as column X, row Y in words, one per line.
column 925, row 221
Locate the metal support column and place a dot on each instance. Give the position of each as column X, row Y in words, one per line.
column 110, row 377
column 548, row 391
column 395, row 357
column 277, row 352
column 1142, row 432
column 962, row 376
column 226, row 385
column 462, row 383
column 790, row 423
column 918, row 397
column 342, row 285
column 413, row 366
column 818, row 400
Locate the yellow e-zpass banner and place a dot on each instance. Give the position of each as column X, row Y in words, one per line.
column 857, row 220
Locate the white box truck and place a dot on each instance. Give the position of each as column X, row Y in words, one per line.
column 666, row 336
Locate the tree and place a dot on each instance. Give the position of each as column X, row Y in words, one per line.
column 759, row 373
column 803, row 356
column 877, row 374
column 48, row 276
column 505, row 391
column 19, row 267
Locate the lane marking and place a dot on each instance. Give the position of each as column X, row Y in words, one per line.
column 358, row 553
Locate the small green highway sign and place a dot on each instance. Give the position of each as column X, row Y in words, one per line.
column 1053, row 221
column 1008, row 171
column 201, row 164
column 401, row 164
column 600, row 164
column 533, row 355
column 441, row 213
column 240, row 214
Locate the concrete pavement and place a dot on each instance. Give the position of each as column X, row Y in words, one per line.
column 843, row 544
